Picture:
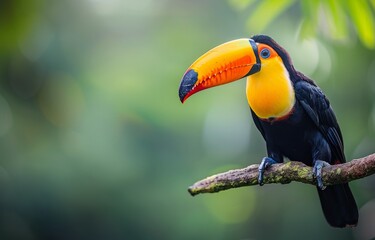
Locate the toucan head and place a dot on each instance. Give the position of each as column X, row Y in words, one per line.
column 231, row 61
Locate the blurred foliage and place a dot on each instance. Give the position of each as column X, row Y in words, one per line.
column 332, row 18
column 94, row 143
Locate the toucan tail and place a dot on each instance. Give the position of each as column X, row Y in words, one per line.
column 339, row 206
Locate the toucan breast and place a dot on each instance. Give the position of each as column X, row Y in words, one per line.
column 270, row 92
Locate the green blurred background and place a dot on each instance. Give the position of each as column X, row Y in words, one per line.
column 95, row 143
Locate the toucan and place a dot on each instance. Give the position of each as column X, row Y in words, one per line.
column 291, row 112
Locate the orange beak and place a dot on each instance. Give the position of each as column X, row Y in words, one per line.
column 226, row 63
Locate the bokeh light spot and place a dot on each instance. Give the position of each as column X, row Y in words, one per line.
column 305, row 55
column 233, row 206
column 227, row 129
column 61, row 100
column 37, row 42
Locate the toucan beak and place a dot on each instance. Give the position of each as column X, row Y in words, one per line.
column 226, row 63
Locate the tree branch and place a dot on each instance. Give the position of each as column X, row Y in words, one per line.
column 285, row 173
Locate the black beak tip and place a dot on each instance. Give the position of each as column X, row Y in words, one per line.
column 187, row 83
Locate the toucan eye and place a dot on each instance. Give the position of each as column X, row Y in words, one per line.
column 265, row 53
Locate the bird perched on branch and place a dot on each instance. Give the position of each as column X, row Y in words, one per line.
column 290, row 111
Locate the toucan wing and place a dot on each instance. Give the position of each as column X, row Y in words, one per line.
column 319, row 110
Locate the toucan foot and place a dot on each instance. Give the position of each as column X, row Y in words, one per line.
column 266, row 162
column 317, row 172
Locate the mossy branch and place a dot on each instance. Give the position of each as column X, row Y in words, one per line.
column 285, row 173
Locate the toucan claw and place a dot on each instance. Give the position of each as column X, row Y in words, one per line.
column 317, row 172
column 266, row 162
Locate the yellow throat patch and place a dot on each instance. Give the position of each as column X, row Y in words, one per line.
column 270, row 93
